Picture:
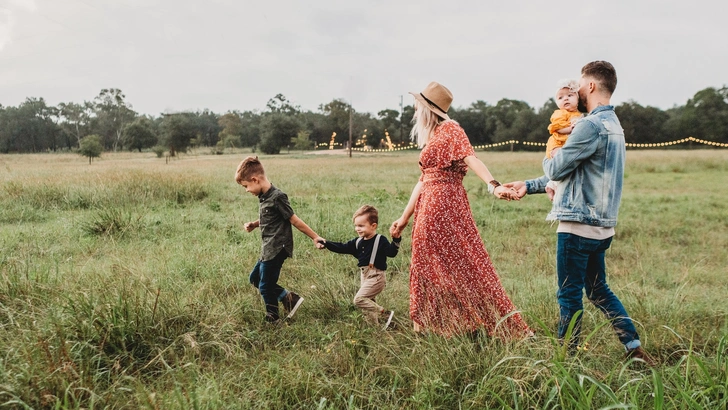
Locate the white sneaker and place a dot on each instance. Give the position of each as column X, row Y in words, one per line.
column 389, row 319
column 291, row 303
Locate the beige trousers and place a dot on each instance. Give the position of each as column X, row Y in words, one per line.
column 373, row 281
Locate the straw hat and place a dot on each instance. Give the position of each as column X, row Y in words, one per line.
column 435, row 97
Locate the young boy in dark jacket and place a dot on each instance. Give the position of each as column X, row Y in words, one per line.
column 372, row 250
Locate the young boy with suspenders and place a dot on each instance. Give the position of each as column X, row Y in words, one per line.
column 372, row 250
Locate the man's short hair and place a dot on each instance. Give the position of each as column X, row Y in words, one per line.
column 603, row 72
column 368, row 210
column 249, row 167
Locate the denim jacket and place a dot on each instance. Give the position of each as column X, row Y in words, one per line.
column 590, row 168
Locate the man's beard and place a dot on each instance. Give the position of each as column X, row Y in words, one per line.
column 581, row 105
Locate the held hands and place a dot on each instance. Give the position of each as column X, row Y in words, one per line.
column 518, row 186
column 507, row 193
column 319, row 242
column 397, row 227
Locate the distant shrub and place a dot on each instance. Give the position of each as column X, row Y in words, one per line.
column 110, row 222
column 218, row 149
column 159, row 150
column 91, row 147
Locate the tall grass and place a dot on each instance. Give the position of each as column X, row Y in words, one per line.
column 123, row 284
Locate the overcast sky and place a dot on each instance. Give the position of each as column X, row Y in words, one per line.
column 176, row 55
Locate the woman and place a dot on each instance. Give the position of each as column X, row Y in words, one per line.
column 454, row 288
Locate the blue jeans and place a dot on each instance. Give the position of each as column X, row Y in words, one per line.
column 579, row 266
column 265, row 278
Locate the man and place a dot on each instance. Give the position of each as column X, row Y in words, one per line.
column 590, row 167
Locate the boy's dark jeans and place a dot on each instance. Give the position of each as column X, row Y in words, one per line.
column 265, row 277
column 580, row 265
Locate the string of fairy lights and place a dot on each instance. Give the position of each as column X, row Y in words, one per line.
column 682, row 141
column 333, row 145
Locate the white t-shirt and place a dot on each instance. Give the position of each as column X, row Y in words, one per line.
column 585, row 231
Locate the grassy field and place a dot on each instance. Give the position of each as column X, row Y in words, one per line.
column 123, row 284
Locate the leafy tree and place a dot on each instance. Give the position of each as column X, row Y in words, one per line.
column 49, row 117
column 302, row 141
column 250, row 132
column 527, row 124
column 178, row 130
column 389, row 120
column 75, row 119
column 408, row 112
column 337, row 120
column 709, row 111
column 91, row 147
column 368, row 128
column 45, row 131
column 278, row 130
column 679, row 124
column 539, row 125
column 280, row 104
column 30, row 127
column 337, row 114
column 8, row 123
column 231, row 126
column 511, row 119
column 112, row 114
column 474, row 120
column 641, row 124
column 315, row 124
column 139, row 134
column 208, row 128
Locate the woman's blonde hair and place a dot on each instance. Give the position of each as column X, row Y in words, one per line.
column 424, row 122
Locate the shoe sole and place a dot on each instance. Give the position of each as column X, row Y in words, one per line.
column 295, row 308
column 389, row 320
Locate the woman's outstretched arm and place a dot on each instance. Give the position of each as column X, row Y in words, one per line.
column 399, row 225
column 483, row 173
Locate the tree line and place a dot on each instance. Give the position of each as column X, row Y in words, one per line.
column 109, row 122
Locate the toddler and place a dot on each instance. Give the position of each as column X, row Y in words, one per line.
column 562, row 122
column 372, row 250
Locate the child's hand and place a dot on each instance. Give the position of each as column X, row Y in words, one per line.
column 250, row 226
column 550, row 192
column 397, row 227
column 554, row 151
column 319, row 241
column 566, row 130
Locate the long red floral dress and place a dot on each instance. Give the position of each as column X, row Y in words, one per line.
column 453, row 285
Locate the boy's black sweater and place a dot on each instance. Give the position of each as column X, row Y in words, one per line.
column 364, row 253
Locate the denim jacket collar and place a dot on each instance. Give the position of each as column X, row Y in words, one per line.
column 601, row 108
